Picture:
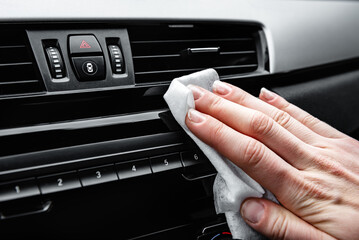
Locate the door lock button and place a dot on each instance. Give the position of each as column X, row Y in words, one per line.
column 89, row 68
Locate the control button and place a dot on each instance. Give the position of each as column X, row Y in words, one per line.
column 133, row 169
column 16, row 190
column 56, row 65
column 59, row 182
column 89, row 68
column 190, row 158
column 84, row 44
column 97, row 175
column 116, row 59
column 165, row 162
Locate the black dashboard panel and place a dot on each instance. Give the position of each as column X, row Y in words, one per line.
column 97, row 153
column 87, row 158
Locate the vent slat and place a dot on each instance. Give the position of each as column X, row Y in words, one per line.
column 237, row 52
column 160, row 53
column 198, row 62
column 19, row 82
column 166, row 76
column 17, row 69
column 13, row 46
column 194, row 40
column 196, row 69
column 15, row 64
column 157, row 56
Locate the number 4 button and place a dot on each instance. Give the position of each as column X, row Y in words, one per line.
column 133, row 169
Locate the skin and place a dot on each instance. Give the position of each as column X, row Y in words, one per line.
column 312, row 168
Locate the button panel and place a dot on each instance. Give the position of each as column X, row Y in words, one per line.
column 165, row 162
column 57, row 67
column 87, row 58
column 97, row 175
column 16, row 190
column 59, row 182
column 133, row 169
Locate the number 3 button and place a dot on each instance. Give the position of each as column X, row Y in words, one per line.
column 59, row 182
column 92, row 176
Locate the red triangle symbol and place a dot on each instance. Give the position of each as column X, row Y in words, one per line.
column 84, row 44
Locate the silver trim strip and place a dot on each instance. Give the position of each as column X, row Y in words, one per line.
column 81, row 124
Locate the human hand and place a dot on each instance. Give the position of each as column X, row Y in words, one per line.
column 312, row 168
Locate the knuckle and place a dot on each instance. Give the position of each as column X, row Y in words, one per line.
column 242, row 97
column 285, row 105
column 309, row 120
column 311, row 188
column 261, row 124
column 282, row 118
column 279, row 228
column 216, row 104
column 334, row 168
column 217, row 133
column 253, row 153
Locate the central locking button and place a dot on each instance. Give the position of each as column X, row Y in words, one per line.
column 89, row 68
column 87, row 57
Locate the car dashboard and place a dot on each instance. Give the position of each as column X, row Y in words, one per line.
column 89, row 148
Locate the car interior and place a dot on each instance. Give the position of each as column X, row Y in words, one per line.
column 88, row 146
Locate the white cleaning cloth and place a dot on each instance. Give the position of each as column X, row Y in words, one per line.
column 232, row 186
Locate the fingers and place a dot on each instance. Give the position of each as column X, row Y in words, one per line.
column 276, row 222
column 243, row 98
column 247, row 153
column 302, row 116
column 255, row 124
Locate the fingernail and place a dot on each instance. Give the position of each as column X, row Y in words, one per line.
column 196, row 91
column 195, row 116
column 266, row 94
column 221, row 88
column 252, row 211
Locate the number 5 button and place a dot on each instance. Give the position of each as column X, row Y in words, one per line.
column 59, row 182
column 92, row 176
column 165, row 162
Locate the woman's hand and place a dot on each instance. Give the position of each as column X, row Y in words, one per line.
column 310, row 167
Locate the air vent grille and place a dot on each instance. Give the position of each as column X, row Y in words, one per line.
column 163, row 52
column 17, row 69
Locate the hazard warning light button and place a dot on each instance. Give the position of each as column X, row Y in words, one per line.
column 84, row 44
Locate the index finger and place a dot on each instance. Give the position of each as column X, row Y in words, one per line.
column 257, row 160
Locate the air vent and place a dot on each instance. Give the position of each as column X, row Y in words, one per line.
column 17, row 69
column 163, row 52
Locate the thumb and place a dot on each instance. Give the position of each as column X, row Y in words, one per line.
column 277, row 222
